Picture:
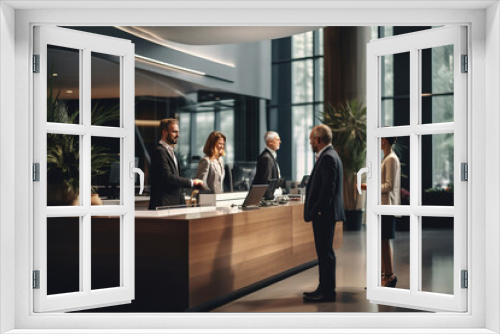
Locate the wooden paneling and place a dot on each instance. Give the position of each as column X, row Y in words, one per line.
column 302, row 237
column 231, row 252
column 238, row 250
column 187, row 260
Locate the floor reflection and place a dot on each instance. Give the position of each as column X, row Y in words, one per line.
column 286, row 295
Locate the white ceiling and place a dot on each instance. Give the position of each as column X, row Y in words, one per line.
column 213, row 35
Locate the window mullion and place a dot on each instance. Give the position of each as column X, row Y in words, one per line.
column 86, row 117
column 415, row 172
column 85, row 167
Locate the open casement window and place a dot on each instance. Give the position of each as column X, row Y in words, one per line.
column 84, row 130
column 417, row 92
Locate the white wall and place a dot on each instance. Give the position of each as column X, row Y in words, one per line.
column 251, row 74
column 492, row 150
column 7, row 168
column 252, row 62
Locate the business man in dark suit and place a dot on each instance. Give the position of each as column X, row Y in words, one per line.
column 267, row 163
column 324, row 206
column 166, row 182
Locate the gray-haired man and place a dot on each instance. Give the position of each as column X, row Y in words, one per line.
column 267, row 163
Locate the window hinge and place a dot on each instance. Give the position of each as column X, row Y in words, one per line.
column 464, row 171
column 465, row 64
column 36, row 279
column 36, row 172
column 465, row 279
column 36, row 63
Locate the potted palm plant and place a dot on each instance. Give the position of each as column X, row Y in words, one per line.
column 63, row 179
column 348, row 124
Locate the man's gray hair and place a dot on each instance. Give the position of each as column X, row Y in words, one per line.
column 323, row 132
column 270, row 135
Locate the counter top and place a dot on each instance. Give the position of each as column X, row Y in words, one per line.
column 190, row 213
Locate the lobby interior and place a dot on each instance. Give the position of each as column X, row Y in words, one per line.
column 301, row 71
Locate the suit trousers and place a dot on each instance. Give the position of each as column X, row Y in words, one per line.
column 323, row 240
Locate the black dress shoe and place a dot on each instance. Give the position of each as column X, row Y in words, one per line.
column 310, row 293
column 319, row 297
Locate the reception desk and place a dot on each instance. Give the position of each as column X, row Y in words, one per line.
column 185, row 262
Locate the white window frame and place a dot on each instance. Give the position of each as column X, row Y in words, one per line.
column 85, row 44
column 483, row 101
column 413, row 44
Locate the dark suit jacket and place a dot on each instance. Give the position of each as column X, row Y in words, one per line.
column 166, row 183
column 267, row 169
column 324, row 190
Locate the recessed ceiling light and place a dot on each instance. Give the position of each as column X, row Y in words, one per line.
column 69, row 91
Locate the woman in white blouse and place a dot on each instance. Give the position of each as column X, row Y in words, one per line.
column 211, row 166
column 390, row 188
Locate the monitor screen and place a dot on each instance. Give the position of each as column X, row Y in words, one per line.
column 255, row 195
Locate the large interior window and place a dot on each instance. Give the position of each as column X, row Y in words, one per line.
column 297, row 98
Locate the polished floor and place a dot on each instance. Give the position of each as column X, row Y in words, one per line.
column 286, row 295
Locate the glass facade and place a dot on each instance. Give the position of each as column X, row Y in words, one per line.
column 297, row 98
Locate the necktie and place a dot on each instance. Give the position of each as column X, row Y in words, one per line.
column 171, row 152
column 277, row 167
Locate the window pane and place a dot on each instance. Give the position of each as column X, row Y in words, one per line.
column 227, row 128
column 395, row 90
column 63, row 170
column 437, row 254
column 185, row 139
column 320, row 41
column 302, row 45
column 105, row 252
column 387, row 31
column 442, row 69
column 374, row 32
column 395, row 252
column 281, row 83
column 437, row 109
column 437, row 84
column 387, row 112
column 63, row 255
column 105, row 169
column 387, row 63
column 105, row 89
column 302, row 153
column 63, row 85
column 302, row 79
column 319, row 80
column 204, row 125
column 318, row 111
column 395, row 183
column 437, row 169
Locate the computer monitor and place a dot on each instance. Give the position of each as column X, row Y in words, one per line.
column 254, row 196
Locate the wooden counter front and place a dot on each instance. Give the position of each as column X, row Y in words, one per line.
column 233, row 251
column 188, row 260
column 204, row 256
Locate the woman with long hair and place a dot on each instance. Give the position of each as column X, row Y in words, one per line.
column 211, row 166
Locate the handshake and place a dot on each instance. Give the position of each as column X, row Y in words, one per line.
column 197, row 183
